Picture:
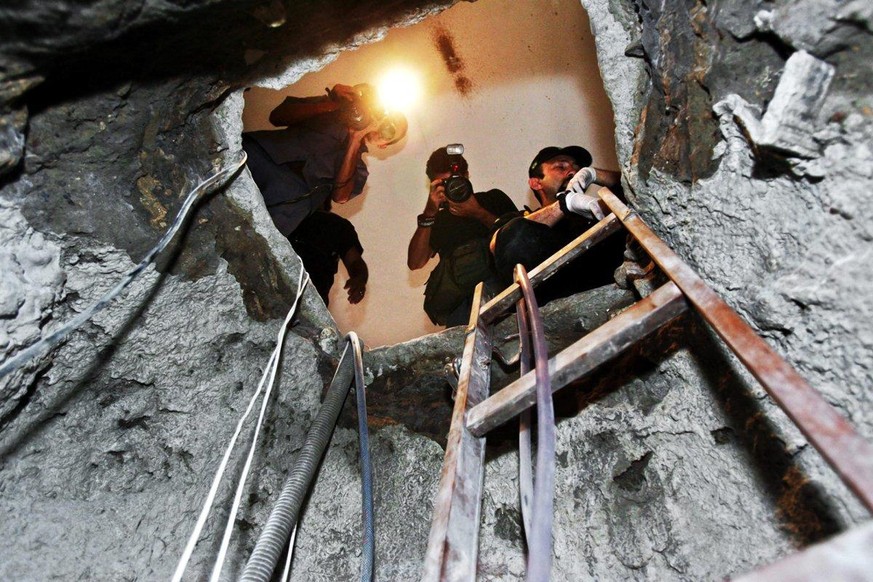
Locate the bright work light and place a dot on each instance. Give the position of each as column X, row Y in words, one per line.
column 398, row 89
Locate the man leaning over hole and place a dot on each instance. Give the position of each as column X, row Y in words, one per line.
column 558, row 177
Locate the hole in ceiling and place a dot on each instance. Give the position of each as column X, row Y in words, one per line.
column 504, row 78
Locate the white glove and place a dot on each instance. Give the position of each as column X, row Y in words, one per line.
column 581, row 180
column 587, row 206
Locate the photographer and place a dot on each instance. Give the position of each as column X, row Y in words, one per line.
column 457, row 228
column 318, row 154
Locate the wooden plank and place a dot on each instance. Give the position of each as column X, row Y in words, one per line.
column 848, row 556
column 593, row 350
column 507, row 298
column 453, row 543
column 825, row 428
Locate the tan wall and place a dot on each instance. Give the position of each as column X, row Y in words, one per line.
column 534, row 82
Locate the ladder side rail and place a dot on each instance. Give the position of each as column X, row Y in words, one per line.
column 453, row 542
column 582, row 357
column 827, row 430
column 505, row 300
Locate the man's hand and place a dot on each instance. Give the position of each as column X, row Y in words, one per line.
column 581, row 180
column 584, row 205
column 436, row 196
column 356, row 288
column 469, row 208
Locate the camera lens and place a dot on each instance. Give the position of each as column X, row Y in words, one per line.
column 458, row 188
column 387, row 129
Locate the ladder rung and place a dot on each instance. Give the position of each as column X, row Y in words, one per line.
column 596, row 348
column 504, row 301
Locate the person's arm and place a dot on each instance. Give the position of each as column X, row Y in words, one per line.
column 358, row 274
column 293, row 110
column 420, row 251
column 548, row 215
column 577, row 200
column 344, row 183
column 296, row 109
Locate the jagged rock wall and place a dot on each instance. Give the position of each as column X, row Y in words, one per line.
column 672, row 462
column 109, row 442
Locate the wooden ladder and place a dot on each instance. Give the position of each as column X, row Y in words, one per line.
column 452, row 551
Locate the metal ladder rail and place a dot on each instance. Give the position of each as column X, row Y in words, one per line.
column 452, row 552
column 830, row 433
column 848, row 454
column 835, row 434
column 453, row 539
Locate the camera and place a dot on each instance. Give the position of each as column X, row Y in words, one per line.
column 458, row 188
column 363, row 109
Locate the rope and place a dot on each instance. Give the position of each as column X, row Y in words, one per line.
column 45, row 344
column 270, row 370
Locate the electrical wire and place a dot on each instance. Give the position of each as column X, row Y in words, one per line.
column 286, row 572
column 231, row 518
column 272, row 364
column 284, row 515
column 45, row 344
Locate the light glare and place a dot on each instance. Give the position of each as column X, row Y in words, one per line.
column 399, row 90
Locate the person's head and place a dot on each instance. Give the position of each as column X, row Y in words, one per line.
column 439, row 164
column 552, row 168
column 391, row 130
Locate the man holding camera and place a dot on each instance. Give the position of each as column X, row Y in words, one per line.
column 318, row 153
column 456, row 225
column 558, row 178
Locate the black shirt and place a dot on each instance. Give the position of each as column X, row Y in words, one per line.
column 450, row 231
column 321, row 240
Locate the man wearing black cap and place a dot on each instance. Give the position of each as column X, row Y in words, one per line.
column 459, row 232
column 558, row 178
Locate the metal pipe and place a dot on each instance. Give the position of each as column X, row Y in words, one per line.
column 539, row 560
column 273, row 538
column 525, row 454
column 369, row 551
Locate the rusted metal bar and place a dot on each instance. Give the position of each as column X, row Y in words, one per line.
column 504, row 300
column 539, row 559
column 596, row 348
column 453, row 542
column 525, row 452
column 828, row 431
column 848, row 556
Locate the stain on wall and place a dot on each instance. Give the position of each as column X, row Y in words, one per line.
column 444, row 43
